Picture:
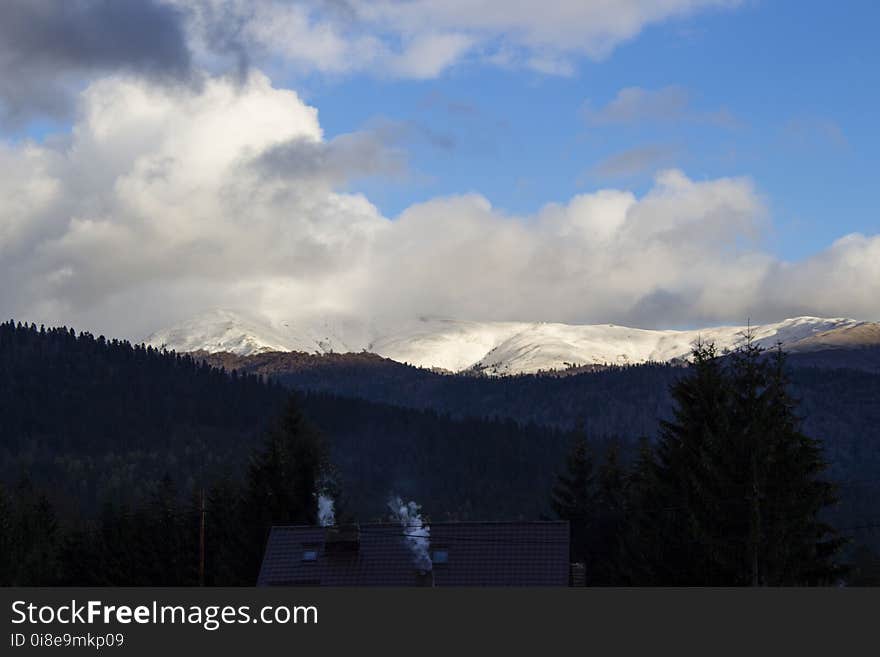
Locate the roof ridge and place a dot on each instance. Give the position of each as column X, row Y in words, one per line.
column 432, row 523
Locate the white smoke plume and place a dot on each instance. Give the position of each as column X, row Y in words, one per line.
column 416, row 533
column 326, row 511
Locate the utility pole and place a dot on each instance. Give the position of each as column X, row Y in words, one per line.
column 202, row 537
column 755, row 529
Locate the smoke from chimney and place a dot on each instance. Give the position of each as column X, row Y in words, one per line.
column 416, row 533
column 326, row 511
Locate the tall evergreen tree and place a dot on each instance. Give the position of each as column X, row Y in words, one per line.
column 688, row 495
column 283, row 481
column 574, row 498
column 641, row 554
column 225, row 544
column 736, row 484
column 789, row 543
column 36, row 539
column 610, row 519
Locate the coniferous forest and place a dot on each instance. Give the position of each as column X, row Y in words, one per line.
column 739, row 469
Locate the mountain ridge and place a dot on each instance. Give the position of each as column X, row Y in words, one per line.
column 496, row 348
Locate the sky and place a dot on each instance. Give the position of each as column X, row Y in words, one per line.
column 655, row 163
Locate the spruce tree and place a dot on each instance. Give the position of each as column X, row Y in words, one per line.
column 736, row 486
column 39, row 535
column 574, row 499
column 225, row 544
column 641, row 554
column 789, row 543
column 688, row 499
column 609, row 523
column 283, row 481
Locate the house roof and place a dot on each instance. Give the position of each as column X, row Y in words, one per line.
column 479, row 554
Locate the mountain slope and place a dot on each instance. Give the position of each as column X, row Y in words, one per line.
column 495, row 348
column 860, row 336
column 228, row 331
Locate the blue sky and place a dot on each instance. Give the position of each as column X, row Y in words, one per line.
column 800, row 80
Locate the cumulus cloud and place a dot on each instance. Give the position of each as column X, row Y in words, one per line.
column 165, row 202
column 158, row 193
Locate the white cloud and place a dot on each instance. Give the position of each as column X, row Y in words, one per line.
column 428, row 55
column 159, row 188
column 48, row 54
column 163, row 203
column 422, row 38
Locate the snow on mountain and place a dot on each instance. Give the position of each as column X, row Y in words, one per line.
column 226, row 330
column 558, row 346
column 446, row 344
column 494, row 347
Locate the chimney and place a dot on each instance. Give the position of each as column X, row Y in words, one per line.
column 425, row 578
column 344, row 540
column 577, row 574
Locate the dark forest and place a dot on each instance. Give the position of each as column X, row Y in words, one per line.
column 109, row 452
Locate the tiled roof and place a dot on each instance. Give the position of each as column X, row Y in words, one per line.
column 479, row 554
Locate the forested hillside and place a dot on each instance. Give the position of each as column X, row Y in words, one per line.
column 840, row 406
column 92, row 419
column 89, row 421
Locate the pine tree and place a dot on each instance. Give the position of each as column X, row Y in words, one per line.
column 574, row 499
column 641, row 554
column 789, row 543
column 736, row 485
column 39, row 536
column 283, row 481
column 225, row 551
column 172, row 558
column 610, row 519
column 689, row 495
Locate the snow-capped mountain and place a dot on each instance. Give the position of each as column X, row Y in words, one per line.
column 517, row 348
column 494, row 347
column 230, row 331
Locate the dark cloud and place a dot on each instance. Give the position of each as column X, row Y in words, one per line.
column 378, row 150
column 335, row 162
column 664, row 308
column 48, row 46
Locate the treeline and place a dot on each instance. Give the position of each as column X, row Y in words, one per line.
column 624, row 400
column 466, row 469
column 215, row 536
column 732, row 493
column 90, row 419
column 838, row 405
column 104, row 443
